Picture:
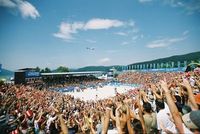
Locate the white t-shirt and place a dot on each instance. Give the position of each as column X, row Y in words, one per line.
column 153, row 103
column 186, row 130
column 112, row 131
column 50, row 119
column 192, row 82
column 163, row 120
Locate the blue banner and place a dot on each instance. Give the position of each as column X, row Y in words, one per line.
column 180, row 69
column 32, row 74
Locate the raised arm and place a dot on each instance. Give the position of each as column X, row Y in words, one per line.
column 118, row 120
column 39, row 116
column 191, row 98
column 106, row 121
column 141, row 116
column 62, row 123
column 143, row 95
column 91, row 127
column 128, row 116
column 153, row 87
column 172, row 107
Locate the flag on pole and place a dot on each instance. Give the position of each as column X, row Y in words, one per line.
column 154, row 65
column 0, row 67
column 161, row 65
column 179, row 64
column 172, row 64
column 185, row 63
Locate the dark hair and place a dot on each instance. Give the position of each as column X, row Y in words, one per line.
column 178, row 98
column 137, row 126
column 160, row 104
column 147, row 107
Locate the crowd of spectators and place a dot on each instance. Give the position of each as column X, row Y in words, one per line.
column 164, row 103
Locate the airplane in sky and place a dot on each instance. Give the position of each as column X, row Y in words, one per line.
column 90, row 48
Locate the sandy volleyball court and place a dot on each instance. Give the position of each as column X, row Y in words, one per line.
column 100, row 93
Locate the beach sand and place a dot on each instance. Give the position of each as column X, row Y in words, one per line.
column 99, row 93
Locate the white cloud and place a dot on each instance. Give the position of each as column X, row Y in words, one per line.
column 185, row 32
column 133, row 30
column 97, row 23
column 28, row 10
column 104, row 60
column 144, row 1
column 25, row 8
column 7, row 3
column 131, row 23
column 189, row 6
column 66, row 30
column 134, row 38
column 124, row 43
column 121, row 33
column 165, row 42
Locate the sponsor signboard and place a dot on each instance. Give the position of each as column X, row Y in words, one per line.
column 32, row 74
column 180, row 69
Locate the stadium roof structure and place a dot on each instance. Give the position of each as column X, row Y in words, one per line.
column 26, row 69
column 73, row 73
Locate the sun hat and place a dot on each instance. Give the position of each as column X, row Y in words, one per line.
column 192, row 119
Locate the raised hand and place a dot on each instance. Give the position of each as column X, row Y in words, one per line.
column 164, row 86
column 118, row 120
column 186, row 83
column 153, row 88
column 191, row 98
column 56, row 110
column 128, row 112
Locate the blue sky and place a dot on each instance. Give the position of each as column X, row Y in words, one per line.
column 77, row 33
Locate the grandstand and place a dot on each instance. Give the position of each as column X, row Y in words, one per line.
column 30, row 75
column 173, row 63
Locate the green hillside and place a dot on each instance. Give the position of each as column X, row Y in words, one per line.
column 5, row 74
column 195, row 56
column 99, row 68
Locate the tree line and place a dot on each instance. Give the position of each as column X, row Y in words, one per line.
column 48, row 70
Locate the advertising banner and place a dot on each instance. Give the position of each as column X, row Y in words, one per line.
column 181, row 69
column 32, row 74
